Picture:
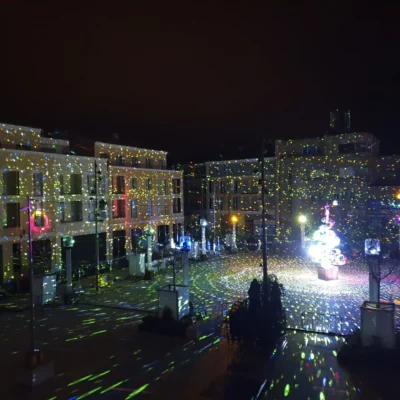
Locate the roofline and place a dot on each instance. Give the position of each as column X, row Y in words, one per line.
column 246, row 160
column 128, row 147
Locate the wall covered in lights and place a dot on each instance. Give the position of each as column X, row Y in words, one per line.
column 62, row 191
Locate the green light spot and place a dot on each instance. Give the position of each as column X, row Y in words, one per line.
column 287, row 390
column 321, row 396
column 137, row 391
column 99, row 375
column 79, row 380
column 98, row 332
column 113, row 386
column 88, row 393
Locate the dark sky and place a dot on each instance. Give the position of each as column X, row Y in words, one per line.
column 200, row 78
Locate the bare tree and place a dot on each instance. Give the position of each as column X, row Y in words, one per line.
column 383, row 270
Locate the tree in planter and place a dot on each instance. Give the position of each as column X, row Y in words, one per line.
column 383, row 269
column 253, row 321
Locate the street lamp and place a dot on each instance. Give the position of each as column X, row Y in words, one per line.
column 234, row 220
column 203, row 224
column 303, row 220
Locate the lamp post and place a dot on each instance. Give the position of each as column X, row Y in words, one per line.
column 68, row 244
column 264, row 227
column 398, row 222
column 149, row 233
column 303, row 220
column 97, row 174
column 234, row 220
column 203, row 224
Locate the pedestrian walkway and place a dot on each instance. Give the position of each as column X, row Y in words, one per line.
column 303, row 366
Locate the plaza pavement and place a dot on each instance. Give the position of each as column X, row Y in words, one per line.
column 97, row 347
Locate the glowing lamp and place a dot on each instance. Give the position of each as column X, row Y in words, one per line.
column 150, row 231
column 302, row 219
column 372, row 247
column 203, row 222
column 397, row 196
column 234, row 218
column 335, row 203
column 69, row 241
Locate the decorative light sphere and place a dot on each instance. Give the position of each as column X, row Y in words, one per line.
column 335, row 203
column 302, row 219
column 398, row 195
column 203, row 222
column 234, row 218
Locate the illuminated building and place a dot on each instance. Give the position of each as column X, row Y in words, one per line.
column 195, row 186
column 338, row 170
column 233, row 187
column 134, row 190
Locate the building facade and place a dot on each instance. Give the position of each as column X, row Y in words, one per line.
column 134, row 190
column 234, row 188
column 339, row 170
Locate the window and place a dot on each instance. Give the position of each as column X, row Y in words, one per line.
column 176, row 186
column 120, row 161
column 25, row 146
column 135, row 162
column 176, row 206
column 211, row 203
column 162, row 187
column 235, row 186
column 11, row 183
column 134, row 212
column 149, row 164
column 149, row 207
column 346, row 148
column 211, row 186
column 71, row 184
column 71, row 212
column 17, row 258
column 118, row 184
column 235, row 203
column 92, row 209
column 222, row 188
column 38, row 184
column 133, row 183
column 101, row 186
column 148, row 183
column 11, row 217
column 312, row 151
column 104, row 155
column 159, row 205
column 91, row 184
column 118, row 208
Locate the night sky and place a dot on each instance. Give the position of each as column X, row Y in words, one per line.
column 201, row 79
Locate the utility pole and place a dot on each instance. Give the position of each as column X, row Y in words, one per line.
column 31, row 278
column 264, row 230
column 215, row 205
column 96, row 227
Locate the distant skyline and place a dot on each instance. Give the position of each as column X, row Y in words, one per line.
column 200, row 80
